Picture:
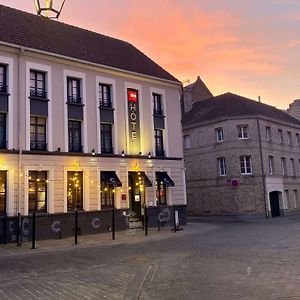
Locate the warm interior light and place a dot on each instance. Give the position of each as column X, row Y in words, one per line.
column 93, row 152
column 123, row 153
column 49, row 8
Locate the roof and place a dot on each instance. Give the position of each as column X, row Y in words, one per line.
column 229, row 106
column 200, row 85
column 39, row 33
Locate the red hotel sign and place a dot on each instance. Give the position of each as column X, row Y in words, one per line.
column 133, row 120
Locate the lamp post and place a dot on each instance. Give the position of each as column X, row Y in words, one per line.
column 49, row 8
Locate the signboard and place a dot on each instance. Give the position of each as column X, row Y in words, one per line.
column 133, row 120
column 123, row 197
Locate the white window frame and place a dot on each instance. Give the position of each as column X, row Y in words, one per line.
column 280, row 136
column 219, row 134
column 283, row 166
column 268, row 134
column 271, row 164
column 222, row 166
column 187, row 141
column 246, row 163
column 286, row 199
column 293, row 166
column 243, row 132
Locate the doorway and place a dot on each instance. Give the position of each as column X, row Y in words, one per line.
column 274, row 204
column 136, row 193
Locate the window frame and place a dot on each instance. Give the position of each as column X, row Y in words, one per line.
column 246, row 164
column 268, row 134
column 222, row 166
column 271, row 164
column 219, row 134
column 106, row 136
column 35, row 90
column 243, row 132
column 105, row 95
column 3, row 176
column 71, row 96
column 280, row 136
column 71, row 176
column 3, row 78
column 3, row 129
column 157, row 104
column 74, row 146
column 293, row 169
column 159, row 142
column 283, row 166
column 289, row 138
column 35, row 143
column 187, row 143
column 160, row 187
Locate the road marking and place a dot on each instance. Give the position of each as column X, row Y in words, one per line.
column 249, row 269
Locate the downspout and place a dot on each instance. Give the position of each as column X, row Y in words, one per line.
column 262, row 169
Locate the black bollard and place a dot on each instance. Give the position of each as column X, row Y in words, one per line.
column 146, row 220
column 113, row 220
column 4, row 228
column 76, row 226
column 33, row 246
column 174, row 210
column 19, row 224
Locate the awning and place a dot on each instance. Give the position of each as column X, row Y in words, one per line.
column 111, row 178
column 165, row 178
column 144, row 177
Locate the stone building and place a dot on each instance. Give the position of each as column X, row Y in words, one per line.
column 294, row 109
column 241, row 157
column 87, row 122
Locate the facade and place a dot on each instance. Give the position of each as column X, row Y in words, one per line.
column 85, row 121
column 242, row 157
column 294, row 109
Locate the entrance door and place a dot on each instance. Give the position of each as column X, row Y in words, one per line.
column 274, row 203
column 136, row 194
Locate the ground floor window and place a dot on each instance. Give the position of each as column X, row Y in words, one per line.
column 75, row 190
column 37, row 191
column 107, row 195
column 3, row 176
column 161, row 192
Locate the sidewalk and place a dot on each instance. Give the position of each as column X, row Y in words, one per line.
column 95, row 240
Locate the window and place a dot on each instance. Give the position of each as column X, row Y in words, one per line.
column 3, row 176
column 268, row 133
column 286, row 199
column 245, row 163
column 159, row 144
column 37, row 191
column 271, row 165
column 219, row 134
column 38, row 133
column 297, row 139
column 75, row 136
column 3, row 79
column 107, row 194
column 75, row 190
column 105, row 95
column 157, row 107
column 283, row 166
column 74, row 93
column 280, row 136
column 187, row 141
column 242, row 131
column 2, row 131
column 293, row 167
column 222, row 166
column 161, row 192
column 106, row 138
column 295, row 198
column 37, row 84
column 289, row 138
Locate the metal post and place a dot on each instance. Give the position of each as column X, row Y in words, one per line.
column 113, row 220
column 4, row 228
column 19, row 224
column 76, row 226
column 33, row 232
column 146, row 220
column 175, row 229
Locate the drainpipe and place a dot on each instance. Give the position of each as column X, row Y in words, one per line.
column 262, row 168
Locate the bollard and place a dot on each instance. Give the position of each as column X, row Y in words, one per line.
column 175, row 228
column 146, row 220
column 19, row 224
column 76, row 226
column 33, row 232
column 4, row 228
column 113, row 220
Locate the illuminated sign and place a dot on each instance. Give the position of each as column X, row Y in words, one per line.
column 133, row 120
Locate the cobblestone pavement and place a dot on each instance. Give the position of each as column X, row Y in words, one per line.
column 221, row 260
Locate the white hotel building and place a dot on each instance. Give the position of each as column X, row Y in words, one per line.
column 84, row 119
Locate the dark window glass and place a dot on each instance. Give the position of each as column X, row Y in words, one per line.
column 75, row 190
column 38, row 84
column 3, row 79
column 107, row 195
column 105, row 95
column 74, row 93
column 157, row 108
column 161, row 190
column 2, row 131
column 38, row 133
column 37, row 191
column 159, row 145
column 106, row 138
column 3, row 176
column 75, row 136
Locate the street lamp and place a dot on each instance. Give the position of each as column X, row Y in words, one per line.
column 49, row 8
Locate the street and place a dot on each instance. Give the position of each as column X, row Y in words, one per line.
column 207, row 260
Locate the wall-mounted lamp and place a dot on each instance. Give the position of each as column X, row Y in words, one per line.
column 58, row 149
column 49, row 8
column 149, row 155
column 140, row 153
column 93, row 152
column 123, row 153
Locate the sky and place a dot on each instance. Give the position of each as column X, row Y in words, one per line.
column 247, row 47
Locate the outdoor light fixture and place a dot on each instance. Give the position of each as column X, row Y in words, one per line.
column 140, row 153
column 123, row 153
column 93, row 152
column 50, row 9
column 149, row 155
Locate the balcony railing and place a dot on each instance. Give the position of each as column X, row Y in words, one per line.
column 75, row 148
column 38, row 146
column 107, row 150
column 158, row 112
column 74, row 99
column 38, row 93
column 105, row 104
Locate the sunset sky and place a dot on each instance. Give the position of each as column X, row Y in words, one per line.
column 248, row 47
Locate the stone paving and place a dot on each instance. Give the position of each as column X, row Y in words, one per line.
column 207, row 260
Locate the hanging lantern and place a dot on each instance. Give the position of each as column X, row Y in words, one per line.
column 49, row 8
